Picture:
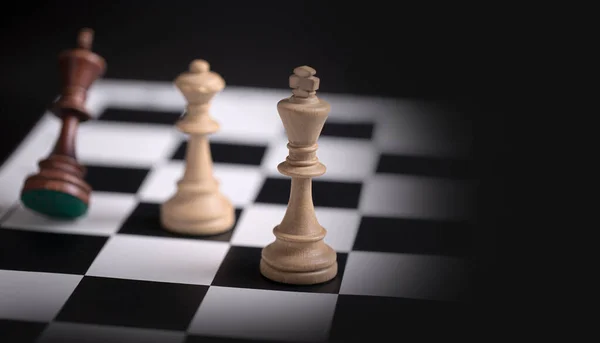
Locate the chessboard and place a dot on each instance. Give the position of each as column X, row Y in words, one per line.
column 396, row 201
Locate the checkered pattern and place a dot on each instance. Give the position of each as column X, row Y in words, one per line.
column 396, row 199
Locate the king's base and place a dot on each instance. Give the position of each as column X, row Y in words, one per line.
column 58, row 190
column 200, row 215
column 298, row 278
column 54, row 204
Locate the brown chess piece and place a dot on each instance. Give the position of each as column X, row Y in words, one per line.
column 59, row 189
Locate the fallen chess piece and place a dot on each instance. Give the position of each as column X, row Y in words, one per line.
column 59, row 189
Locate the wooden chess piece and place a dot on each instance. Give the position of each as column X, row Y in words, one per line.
column 59, row 189
column 198, row 207
column 299, row 255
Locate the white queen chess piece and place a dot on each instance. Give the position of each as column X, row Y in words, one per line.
column 198, row 207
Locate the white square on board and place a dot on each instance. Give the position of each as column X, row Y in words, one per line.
column 245, row 120
column 417, row 129
column 134, row 94
column 159, row 259
column 264, row 314
column 11, row 183
column 125, row 144
column 88, row 333
column 107, row 212
column 339, row 155
column 239, row 183
column 356, row 108
column 38, row 144
column 256, row 223
column 404, row 275
column 161, row 182
column 416, row 197
column 34, row 296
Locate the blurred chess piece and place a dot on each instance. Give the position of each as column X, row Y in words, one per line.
column 198, row 207
column 299, row 255
column 59, row 189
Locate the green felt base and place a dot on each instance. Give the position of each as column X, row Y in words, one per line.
column 54, row 204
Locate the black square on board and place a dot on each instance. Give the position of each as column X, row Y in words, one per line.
column 228, row 153
column 414, row 236
column 115, row 179
column 348, row 130
column 424, row 166
column 145, row 220
column 240, row 268
column 325, row 193
column 146, row 116
column 373, row 318
column 20, row 331
column 48, row 252
column 133, row 303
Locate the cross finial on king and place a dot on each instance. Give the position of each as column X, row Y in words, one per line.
column 304, row 83
column 85, row 38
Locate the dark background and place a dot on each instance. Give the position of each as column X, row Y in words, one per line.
column 459, row 58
